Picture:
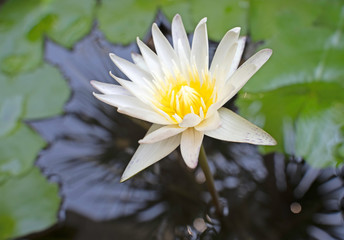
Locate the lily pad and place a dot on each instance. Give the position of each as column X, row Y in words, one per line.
column 297, row 96
column 23, row 25
column 115, row 17
column 28, row 203
column 222, row 16
column 43, row 91
column 18, row 151
column 37, row 94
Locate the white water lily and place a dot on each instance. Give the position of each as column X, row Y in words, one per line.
column 176, row 90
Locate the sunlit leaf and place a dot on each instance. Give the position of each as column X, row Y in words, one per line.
column 115, row 17
column 222, row 15
column 28, row 203
column 123, row 21
column 42, row 91
column 297, row 95
column 23, row 25
column 10, row 112
column 18, row 151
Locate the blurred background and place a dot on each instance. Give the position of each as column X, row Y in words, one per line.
column 62, row 152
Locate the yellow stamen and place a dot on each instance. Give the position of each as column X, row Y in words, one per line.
column 178, row 96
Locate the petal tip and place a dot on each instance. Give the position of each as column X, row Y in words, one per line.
column 177, row 17
column 97, row 95
column 155, row 27
column 113, row 57
column 272, row 142
column 267, row 51
column 123, row 178
column 93, row 83
column 192, row 165
column 236, row 29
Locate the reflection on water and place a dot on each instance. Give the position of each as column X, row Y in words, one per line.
column 266, row 197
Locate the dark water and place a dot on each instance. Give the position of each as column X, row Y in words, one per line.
column 266, row 197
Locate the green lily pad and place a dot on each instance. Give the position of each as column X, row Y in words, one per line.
column 18, row 151
column 306, row 119
column 10, row 112
column 222, row 16
column 28, row 203
column 297, row 96
column 122, row 21
column 43, row 92
column 37, row 94
column 24, row 23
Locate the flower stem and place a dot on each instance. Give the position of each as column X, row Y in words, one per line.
column 210, row 180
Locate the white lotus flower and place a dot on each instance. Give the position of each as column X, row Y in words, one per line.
column 176, row 91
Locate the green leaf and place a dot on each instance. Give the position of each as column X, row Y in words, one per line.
column 305, row 119
column 18, row 151
column 297, row 96
column 28, row 203
column 24, row 23
column 222, row 15
column 72, row 20
column 10, row 112
column 306, row 37
column 31, row 95
column 43, row 92
column 122, row 21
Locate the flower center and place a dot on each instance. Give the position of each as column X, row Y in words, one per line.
column 187, row 99
column 177, row 96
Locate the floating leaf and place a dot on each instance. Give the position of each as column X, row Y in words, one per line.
column 28, row 203
column 115, row 16
column 222, row 16
column 24, row 23
column 43, row 91
column 36, row 94
column 18, row 151
column 297, row 97
column 10, row 112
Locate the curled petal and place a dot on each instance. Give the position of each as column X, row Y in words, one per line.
column 190, row 120
column 200, row 49
column 237, row 57
column 162, row 134
column 230, row 38
column 245, row 72
column 147, row 154
column 190, row 146
column 179, row 35
column 164, row 49
column 151, row 59
column 210, row 123
column 237, row 129
column 108, row 88
column 139, row 61
column 131, row 70
column 133, row 107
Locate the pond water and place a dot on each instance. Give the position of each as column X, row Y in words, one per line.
column 265, row 197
